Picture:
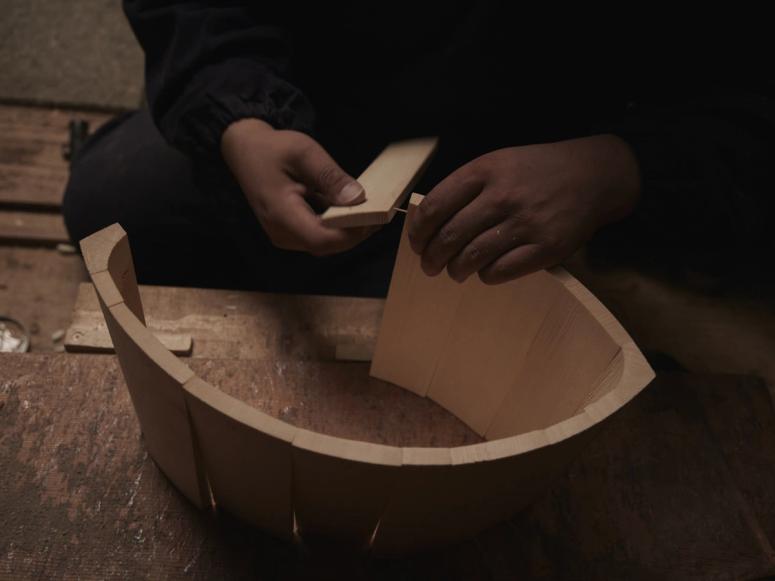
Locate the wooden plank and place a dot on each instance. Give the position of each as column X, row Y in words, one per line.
column 96, row 339
column 424, row 304
column 629, row 508
column 32, row 228
column 28, row 187
column 341, row 487
column 506, row 359
column 108, row 259
column 387, row 181
column 98, row 248
column 33, row 172
column 155, row 381
column 476, row 352
column 247, row 325
column 246, row 455
column 437, row 503
column 567, row 356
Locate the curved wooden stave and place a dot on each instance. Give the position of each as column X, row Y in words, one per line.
column 394, row 492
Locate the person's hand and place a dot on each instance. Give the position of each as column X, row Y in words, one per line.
column 516, row 210
column 280, row 171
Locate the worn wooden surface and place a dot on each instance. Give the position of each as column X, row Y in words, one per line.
column 33, row 172
column 247, row 325
column 32, row 228
column 678, row 487
column 702, row 332
column 38, row 287
column 95, row 338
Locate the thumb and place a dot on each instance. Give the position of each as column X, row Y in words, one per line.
column 320, row 172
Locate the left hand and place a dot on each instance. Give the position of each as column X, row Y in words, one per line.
column 516, row 210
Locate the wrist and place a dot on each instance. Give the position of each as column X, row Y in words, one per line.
column 241, row 132
column 617, row 176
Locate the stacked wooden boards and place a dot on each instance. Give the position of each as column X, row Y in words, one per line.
column 286, row 480
column 33, row 172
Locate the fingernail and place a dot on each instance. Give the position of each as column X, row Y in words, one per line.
column 351, row 193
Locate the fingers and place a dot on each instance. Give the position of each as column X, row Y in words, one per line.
column 448, row 197
column 484, row 249
column 315, row 168
column 518, row 262
column 458, row 233
column 297, row 227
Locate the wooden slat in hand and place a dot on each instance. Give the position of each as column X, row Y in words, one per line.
column 387, row 181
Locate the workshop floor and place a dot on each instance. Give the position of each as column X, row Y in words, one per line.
column 39, row 269
column 78, row 54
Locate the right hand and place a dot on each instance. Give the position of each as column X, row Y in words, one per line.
column 278, row 170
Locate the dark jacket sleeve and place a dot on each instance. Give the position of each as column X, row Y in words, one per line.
column 707, row 161
column 209, row 64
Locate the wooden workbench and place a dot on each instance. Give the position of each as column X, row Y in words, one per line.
column 680, row 486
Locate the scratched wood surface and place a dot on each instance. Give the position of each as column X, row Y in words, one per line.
column 33, row 172
column 37, row 288
column 706, row 332
column 678, row 487
column 244, row 325
column 32, row 228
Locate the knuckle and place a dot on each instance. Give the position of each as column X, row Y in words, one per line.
column 329, row 176
column 503, row 201
column 550, row 242
column 521, row 218
column 472, row 253
column 300, row 145
column 471, row 178
column 474, row 172
column 297, row 137
column 448, row 236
